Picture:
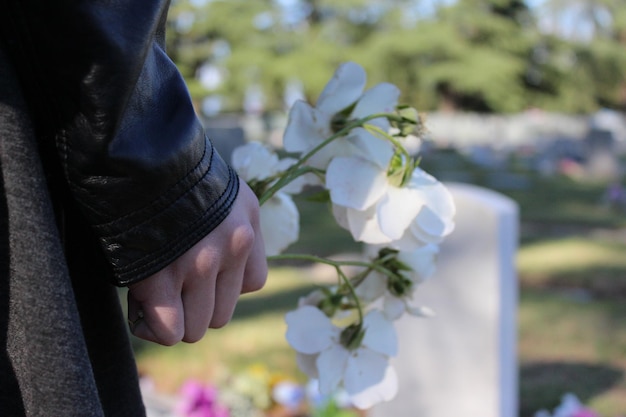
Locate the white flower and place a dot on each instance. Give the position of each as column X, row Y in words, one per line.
column 376, row 211
column 308, row 126
column 421, row 261
column 376, row 285
column 364, row 372
column 254, row 161
column 280, row 219
column 313, row 298
column 435, row 219
column 280, row 223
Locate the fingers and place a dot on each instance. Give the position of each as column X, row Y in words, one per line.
column 198, row 299
column 154, row 313
column 200, row 289
column 227, row 291
column 245, row 242
column 255, row 271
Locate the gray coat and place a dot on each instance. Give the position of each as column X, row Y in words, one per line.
column 67, row 348
column 106, row 176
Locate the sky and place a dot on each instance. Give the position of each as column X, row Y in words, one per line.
column 572, row 24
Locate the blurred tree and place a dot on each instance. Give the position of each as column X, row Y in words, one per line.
column 480, row 55
column 202, row 38
column 595, row 35
column 472, row 55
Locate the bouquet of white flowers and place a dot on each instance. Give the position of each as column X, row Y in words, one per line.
column 353, row 145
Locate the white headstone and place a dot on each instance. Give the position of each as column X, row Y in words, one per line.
column 463, row 361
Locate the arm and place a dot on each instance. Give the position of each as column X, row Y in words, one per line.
column 110, row 104
column 108, row 100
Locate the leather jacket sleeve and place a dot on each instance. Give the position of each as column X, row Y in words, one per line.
column 115, row 111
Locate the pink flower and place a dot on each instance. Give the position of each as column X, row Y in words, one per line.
column 199, row 400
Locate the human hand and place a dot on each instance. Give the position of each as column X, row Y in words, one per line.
column 200, row 289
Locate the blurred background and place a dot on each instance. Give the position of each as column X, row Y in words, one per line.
column 525, row 98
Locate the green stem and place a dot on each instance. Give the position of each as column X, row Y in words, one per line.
column 353, row 294
column 285, row 178
column 359, row 278
column 292, row 173
column 318, row 259
column 376, row 266
column 377, row 130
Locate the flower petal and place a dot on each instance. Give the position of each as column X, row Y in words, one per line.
column 393, row 307
column 341, row 216
column 355, row 182
column 435, row 194
column 429, row 227
column 420, row 311
column 365, row 395
column 382, row 98
column 436, row 218
column 370, row 147
column 305, row 128
column 363, row 225
column 421, row 261
column 421, row 178
column 309, row 330
column 397, row 209
column 280, row 223
column 372, row 287
column 364, row 378
column 380, row 334
column 307, row 364
column 254, row 161
column 331, row 364
column 321, row 158
column 343, row 89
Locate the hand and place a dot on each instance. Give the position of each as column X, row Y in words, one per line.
column 199, row 290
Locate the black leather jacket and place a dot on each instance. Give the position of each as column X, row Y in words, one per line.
column 113, row 115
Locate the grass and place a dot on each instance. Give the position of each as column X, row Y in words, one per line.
column 569, row 345
column 562, row 200
column 572, row 309
column 551, row 203
column 597, row 266
column 319, row 234
column 571, row 314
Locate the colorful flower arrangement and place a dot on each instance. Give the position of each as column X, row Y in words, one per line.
column 257, row 392
column 351, row 146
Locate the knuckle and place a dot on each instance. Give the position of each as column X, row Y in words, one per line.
column 255, row 213
column 243, row 239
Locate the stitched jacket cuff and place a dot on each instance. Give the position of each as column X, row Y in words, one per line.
column 145, row 241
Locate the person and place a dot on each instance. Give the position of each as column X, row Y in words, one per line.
column 107, row 180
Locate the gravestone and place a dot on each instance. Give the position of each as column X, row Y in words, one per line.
column 226, row 133
column 602, row 163
column 463, row 361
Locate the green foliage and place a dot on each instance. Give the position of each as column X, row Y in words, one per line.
column 482, row 55
column 331, row 409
